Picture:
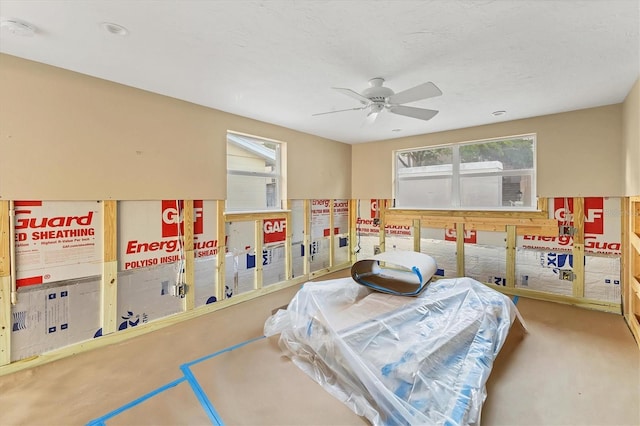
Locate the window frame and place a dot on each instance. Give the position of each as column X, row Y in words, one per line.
column 456, row 176
column 279, row 175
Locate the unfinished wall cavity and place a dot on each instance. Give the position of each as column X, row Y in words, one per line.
column 584, row 268
column 166, row 262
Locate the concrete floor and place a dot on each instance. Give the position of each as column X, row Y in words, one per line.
column 575, row 367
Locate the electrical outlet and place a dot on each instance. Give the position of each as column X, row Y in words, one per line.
column 566, row 274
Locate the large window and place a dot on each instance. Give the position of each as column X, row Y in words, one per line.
column 254, row 173
column 498, row 174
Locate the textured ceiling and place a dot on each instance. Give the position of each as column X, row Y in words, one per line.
column 276, row 61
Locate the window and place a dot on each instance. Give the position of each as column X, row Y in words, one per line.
column 254, row 173
column 497, row 174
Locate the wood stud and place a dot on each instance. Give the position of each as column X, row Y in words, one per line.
column 5, row 285
column 460, row 249
column 109, row 283
column 221, row 235
column 578, row 247
column 631, row 283
column 189, row 274
column 511, row 256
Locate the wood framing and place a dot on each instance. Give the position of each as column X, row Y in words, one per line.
column 578, row 247
column 353, row 230
column 382, row 220
column 306, row 270
column 559, row 298
column 288, row 256
column 514, row 224
column 257, row 243
column 460, row 249
column 5, row 320
column 511, row 256
column 189, row 273
column 5, row 264
column 110, row 271
column 109, row 283
column 5, row 285
column 141, row 329
column 221, row 235
column 415, row 231
column 332, row 249
column 631, row 282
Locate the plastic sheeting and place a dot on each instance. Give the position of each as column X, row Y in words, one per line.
column 397, row 360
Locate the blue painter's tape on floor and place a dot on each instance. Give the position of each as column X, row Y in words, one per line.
column 100, row 420
column 193, row 382
column 515, row 299
column 202, row 396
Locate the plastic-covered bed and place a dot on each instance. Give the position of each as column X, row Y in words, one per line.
column 398, row 360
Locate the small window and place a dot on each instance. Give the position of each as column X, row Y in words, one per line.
column 254, row 173
column 490, row 175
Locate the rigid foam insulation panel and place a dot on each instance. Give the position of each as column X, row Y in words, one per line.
column 273, row 265
column 150, row 233
column 297, row 258
column 602, row 278
column 540, row 270
column 297, row 237
column 341, row 216
column 241, row 244
column 319, row 254
column 366, row 246
column 341, row 249
column 146, row 294
column 433, row 243
column 205, row 280
column 485, row 256
column 367, row 231
column 57, row 241
column 398, row 238
column 602, row 227
column 54, row 315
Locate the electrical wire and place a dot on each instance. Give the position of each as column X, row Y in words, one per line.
column 180, row 278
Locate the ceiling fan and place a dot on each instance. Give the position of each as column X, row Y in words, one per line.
column 377, row 98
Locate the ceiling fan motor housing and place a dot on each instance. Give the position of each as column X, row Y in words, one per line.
column 377, row 93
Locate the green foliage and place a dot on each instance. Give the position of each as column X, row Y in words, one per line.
column 512, row 153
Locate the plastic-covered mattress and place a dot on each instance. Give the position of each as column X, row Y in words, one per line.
column 397, row 360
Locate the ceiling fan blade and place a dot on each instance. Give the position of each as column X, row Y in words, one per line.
column 419, row 113
column 339, row 110
column 352, row 94
column 422, row 91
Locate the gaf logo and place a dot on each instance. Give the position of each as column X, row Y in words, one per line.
column 593, row 213
column 375, row 208
column 470, row 235
column 173, row 216
column 275, row 230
